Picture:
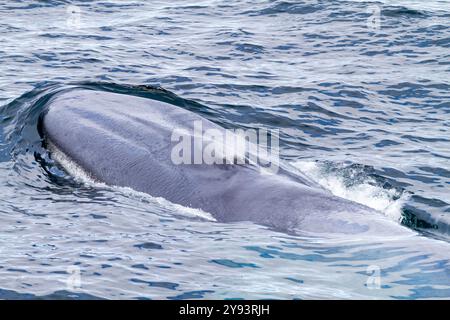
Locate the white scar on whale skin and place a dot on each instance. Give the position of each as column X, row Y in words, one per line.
column 84, row 177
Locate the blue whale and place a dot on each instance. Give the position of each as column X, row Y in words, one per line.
column 127, row 141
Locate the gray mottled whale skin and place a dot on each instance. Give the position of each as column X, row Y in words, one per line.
column 125, row 141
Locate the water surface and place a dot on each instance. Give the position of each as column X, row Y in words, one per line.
column 362, row 103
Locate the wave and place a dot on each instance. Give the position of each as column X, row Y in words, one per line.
column 361, row 184
column 410, row 7
column 352, row 183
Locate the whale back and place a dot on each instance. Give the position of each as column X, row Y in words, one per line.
column 126, row 141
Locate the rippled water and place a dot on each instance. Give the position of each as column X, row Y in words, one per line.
column 362, row 102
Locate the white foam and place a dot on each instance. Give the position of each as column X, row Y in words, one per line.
column 71, row 167
column 80, row 175
column 367, row 192
column 173, row 207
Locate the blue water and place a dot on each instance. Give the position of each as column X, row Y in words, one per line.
column 361, row 101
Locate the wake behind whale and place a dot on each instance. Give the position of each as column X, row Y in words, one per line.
column 127, row 141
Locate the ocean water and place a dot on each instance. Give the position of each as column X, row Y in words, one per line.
column 359, row 91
